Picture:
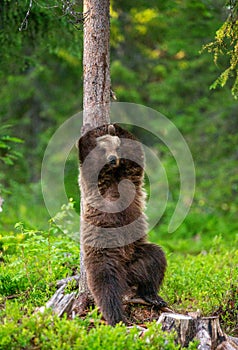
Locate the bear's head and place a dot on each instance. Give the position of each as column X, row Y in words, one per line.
column 110, row 146
column 104, row 143
column 109, row 149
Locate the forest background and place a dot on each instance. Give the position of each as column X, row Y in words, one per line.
column 156, row 60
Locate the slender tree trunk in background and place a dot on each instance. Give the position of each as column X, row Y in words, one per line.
column 96, row 83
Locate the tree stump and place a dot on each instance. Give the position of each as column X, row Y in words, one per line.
column 206, row 330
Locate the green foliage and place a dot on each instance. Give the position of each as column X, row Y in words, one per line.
column 32, row 260
column 50, row 332
column 7, row 153
column 226, row 44
column 217, row 267
column 34, row 63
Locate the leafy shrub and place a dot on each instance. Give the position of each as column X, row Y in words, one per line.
column 46, row 331
column 34, row 260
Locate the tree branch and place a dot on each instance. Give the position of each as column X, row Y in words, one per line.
column 24, row 23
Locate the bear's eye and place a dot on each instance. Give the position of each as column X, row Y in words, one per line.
column 102, row 150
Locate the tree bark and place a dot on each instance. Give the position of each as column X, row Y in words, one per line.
column 206, row 330
column 96, row 84
column 96, row 63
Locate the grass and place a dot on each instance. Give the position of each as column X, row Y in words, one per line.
column 202, row 274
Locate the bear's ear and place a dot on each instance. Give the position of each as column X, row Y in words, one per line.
column 80, row 149
column 80, row 144
column 85, row 128
column 85, row 145
column 111, row 130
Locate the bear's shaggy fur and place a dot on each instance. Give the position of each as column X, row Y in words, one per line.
column 117, row 256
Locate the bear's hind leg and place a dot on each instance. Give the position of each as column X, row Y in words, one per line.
column 147, row 273
column 105, row 283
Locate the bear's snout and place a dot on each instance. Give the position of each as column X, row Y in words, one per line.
column 113, row 160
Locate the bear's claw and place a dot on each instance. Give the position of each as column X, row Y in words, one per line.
column 155, row 301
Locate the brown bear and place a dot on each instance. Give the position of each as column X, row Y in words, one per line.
column 117, row 256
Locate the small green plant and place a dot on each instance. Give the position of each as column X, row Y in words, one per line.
column 33, row 261
column 8, row 154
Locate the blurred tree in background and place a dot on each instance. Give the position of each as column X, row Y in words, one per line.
column 155, row 61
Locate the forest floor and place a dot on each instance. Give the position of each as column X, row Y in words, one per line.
column 202, row 276
column 32, row 261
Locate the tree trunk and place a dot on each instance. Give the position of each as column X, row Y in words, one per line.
column 96, row 83
column 96, row 111
column 96, row 63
